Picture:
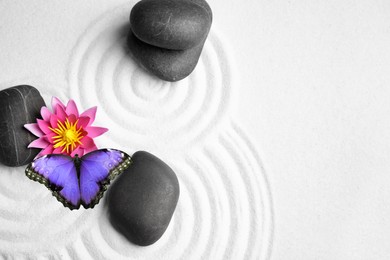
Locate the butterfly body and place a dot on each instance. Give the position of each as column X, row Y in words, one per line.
column 77, row 162
column 79, row 180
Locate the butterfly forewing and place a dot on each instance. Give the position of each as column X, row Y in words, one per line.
column 58, row 173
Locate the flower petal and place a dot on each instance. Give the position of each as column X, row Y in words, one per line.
column 87, row 142
column 91, row 113
column 45, row 113
column 72, row 119
column 34, row 129
column 60, row 112
column 44, row 126
column 90, row 149
column 71, row 108
column 54, row 121
column 54, row 102
column 58, row 150
column 49, row 137
column 83, row 121
column 38, row 143
column 47, row 150
column 79, row 151
column 94, row 131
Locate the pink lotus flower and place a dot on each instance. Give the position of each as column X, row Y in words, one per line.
column 65, row 131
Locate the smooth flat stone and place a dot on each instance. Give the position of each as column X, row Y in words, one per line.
column 19, row 105
column 142, row 200
column 169, row 65
column 171, row 24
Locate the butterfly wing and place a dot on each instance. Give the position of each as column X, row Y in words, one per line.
column 97, row 169
column 58, row 173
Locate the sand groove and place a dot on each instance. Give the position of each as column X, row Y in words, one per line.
column 148, row 110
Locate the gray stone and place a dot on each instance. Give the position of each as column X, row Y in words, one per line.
column 169, row 65
column 142, row 200
column 171, row 24
column 19, row 105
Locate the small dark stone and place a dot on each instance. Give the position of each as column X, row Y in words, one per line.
column 142, row 200
column 18, row 106
column 169, row 65
column 171, row 24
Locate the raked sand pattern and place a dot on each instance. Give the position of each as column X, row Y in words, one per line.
column 102, row 72
column 225, row 205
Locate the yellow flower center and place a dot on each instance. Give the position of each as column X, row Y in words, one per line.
column 68, row 135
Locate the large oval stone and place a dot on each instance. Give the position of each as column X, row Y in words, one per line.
column 171, row 24
column 19, row 105
column 169, row 65
column 142, row 200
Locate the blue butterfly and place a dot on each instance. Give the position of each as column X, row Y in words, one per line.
column 79, row 180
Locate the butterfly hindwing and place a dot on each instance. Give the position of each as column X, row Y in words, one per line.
column 59, row 174
column 97, row 169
